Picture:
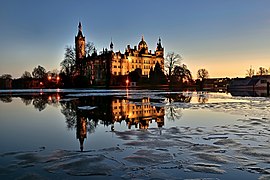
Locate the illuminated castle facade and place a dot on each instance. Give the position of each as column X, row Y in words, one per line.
column 106, row 67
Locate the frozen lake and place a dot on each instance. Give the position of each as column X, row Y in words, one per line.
column 140, row 134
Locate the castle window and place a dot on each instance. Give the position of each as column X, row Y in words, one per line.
column 115, row 66
column 114, row 73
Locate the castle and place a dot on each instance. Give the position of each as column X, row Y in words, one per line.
column 110, row 67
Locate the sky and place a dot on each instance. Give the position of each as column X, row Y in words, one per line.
column 226, row 37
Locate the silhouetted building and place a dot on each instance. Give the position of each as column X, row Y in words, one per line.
column 104, row 68
column 216, row 84
column 256, row 86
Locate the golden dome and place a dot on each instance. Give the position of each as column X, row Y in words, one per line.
column 142, row 44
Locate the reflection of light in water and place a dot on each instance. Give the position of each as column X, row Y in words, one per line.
column 58, row 97
column 127, row 92
column 57, row 90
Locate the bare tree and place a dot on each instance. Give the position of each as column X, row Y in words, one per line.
column 89, row 48
column 172, row 59
column 262, row 71
column 202, row 74
column 250, row 72
column 68, row 64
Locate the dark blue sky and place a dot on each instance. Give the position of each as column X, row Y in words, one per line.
column 224, row 36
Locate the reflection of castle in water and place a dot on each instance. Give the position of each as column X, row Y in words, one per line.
column 108, row 111
column 81, row 130
column 137, row 113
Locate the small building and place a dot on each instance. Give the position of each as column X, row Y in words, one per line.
column 216, row 84
column 250, row 84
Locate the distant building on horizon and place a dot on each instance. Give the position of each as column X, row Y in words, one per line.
column 108, row 66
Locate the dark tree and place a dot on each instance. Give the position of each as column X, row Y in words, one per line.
column 135, row 75
column 39, row 72
column 262, row 71
column 157, row 76
column 182, row 73
column 202, row 74
column 6, row 76
column 26, row 75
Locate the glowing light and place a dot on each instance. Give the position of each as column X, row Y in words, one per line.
column 58, row 78
column 127, row 81
column 50, row 98
column 58, row 97
column 49, row 78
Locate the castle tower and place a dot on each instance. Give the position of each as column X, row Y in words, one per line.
column 142, row 47
column 159, row 49
column 80, row 44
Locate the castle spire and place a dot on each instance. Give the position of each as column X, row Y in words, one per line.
column 159, row 46
column 80, row 26
column 80, row 29
column 111, row 45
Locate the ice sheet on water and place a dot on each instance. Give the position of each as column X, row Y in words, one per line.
column 204, row 148
column 264, row 177
column 89, row 165
column 87, row 107
column 216, row 158
column 227, row 142
column 149, row 157
column 28, row 159
column 205, row 169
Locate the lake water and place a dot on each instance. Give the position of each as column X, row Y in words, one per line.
column 140, row 134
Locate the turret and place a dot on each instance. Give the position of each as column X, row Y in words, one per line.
column 159, row 49
column 80, row 43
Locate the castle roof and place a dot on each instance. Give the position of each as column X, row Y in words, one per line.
column 142, row 44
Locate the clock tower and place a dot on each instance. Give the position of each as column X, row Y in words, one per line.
column 80, row 44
